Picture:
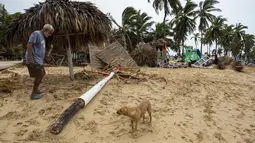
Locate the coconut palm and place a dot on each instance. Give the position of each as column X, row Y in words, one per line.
column 216, row 30
column 249, row 42
column 140, row 25
column 207, row 40
column 196, row 36
column 135, row 24
column 159, row 31
column 184, row 21
column 76, row 24
column 226, row 38
column 237, row 44
column 204, row 13
column 128, row 15
column 239, row 31
column 159, row 5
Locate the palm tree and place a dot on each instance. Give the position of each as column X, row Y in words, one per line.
column 185, row 23
column 196, row 36
column 135, row 25
column 239, row 31
column 238, row 44
column 160, row 32
column 216, row 30
column 206, row 8
column 208, row 40
column 166, row 5
column 249, row 42
column 128, row 15
column 140, row 25
column 227, row 37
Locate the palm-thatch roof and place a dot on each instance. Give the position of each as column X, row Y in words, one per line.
column 83, row 22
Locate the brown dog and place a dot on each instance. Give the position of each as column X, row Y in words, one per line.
column 136, row 113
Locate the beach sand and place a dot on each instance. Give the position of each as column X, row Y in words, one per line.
column 194, row 106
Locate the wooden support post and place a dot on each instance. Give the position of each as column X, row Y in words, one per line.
column 70, row 59
column 57, row 127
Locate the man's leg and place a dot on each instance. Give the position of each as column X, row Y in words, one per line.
column 38, row 79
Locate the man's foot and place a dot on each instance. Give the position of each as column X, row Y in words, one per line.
column 35, row 96
column 39, row 92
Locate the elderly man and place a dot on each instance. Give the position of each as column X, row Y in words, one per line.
column 35, row 57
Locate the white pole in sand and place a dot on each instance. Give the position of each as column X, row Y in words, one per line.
column 86, row 97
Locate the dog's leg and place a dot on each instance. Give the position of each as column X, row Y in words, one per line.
column 143, row 117
column 149, row 112
column 136, row 125
column 132, row 122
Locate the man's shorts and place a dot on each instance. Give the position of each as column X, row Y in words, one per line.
column 36, row 70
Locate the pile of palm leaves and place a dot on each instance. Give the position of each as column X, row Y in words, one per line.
column 237, row 66
column 82, row 21
column 223, row 62
column 145, row 55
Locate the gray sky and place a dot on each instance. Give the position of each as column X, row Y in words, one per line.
column 234, row 10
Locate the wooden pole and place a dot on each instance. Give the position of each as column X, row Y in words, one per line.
column 80, row 103
column 57, row 127
column 70, row 58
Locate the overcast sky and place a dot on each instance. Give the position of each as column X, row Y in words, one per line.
column 235, row 11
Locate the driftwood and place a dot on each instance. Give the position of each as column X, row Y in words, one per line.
column 57, row 127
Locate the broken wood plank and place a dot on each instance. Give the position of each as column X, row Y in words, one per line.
column 95, row 63
column 115, row 54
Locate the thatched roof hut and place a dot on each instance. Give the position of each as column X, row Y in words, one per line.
column 76, row 25
column 82, row 21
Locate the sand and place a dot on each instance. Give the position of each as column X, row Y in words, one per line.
column 196, row 106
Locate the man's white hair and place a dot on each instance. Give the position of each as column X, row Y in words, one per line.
column 48, row 27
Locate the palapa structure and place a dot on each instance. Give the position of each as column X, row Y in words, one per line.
column 76, row 24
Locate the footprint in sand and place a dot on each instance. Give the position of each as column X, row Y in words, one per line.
column 35, row 135
column 219, row 136
column 91, row 125
column 135, row 135
column 101, row 110
column 12, row 116
column 21, row 133
column 200, row 136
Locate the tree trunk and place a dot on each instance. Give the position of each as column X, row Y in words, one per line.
column 216, row 57
column 208, row 50
column 248, row 57
column 70, row 61
column 124, row 41
column 129, row 43
column 164, row 25
column 195, row 43
column 201, row 48
column 183, row 48
column 179, row 48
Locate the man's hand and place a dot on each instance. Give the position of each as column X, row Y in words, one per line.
column 31, row 60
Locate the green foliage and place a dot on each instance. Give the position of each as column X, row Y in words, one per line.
column 5, row 21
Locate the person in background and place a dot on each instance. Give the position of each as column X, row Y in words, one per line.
column 34, row 57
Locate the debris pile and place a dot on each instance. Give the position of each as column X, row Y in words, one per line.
column 225, row 61
column 125, row 74
column 172, row 65
column 112, row 55
column 237, row 66
column 145, row 55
